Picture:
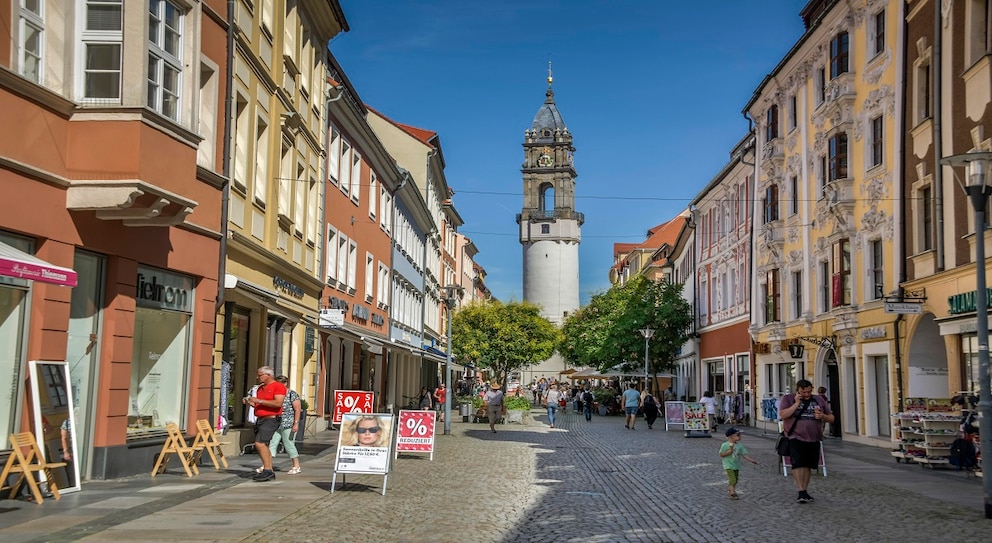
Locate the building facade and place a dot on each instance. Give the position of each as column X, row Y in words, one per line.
column 722, row 218
column 949, row 88
column 826, row 233
column 274, row 281
column 118, row 141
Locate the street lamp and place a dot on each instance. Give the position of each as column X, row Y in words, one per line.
column 978, row 189
column 647, row 333
column 450, row 292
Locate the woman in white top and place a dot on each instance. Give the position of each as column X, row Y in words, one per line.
column 710, row 404
column 551, row 398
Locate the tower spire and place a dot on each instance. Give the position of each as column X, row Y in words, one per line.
column 550, row 94
column 549, row 75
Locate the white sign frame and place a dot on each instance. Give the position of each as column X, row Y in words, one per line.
column 372, row 459
column 46, row 429
column 415, row 422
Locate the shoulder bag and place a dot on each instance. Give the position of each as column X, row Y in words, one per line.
column 782, row 444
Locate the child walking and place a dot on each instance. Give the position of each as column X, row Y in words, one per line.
column 731, row 451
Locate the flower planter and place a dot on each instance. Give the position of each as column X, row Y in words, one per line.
column 514, row 415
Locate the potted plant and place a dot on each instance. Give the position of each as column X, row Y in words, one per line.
column 603, row 398
column 516, row 408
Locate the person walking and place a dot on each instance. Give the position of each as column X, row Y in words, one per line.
column 587, row 402
column 494, row 405
column 290, row 424
column 710, row 404
column 426, row 400
column 650, row 410
column 731, row 451
column 267, row 401
column 551, row 399
column 631, row 402
column 440, row 393
column 803, row 415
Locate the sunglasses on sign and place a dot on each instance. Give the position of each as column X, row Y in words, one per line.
column 372, row 430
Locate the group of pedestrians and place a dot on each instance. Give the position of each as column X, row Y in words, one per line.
column 276, row 411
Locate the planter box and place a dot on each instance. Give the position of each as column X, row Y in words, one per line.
column 514, row 415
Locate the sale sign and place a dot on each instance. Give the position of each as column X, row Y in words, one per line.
column 352, row 401
column 416, row 431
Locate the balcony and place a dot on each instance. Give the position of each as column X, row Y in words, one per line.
column 554, row 214
column 839, row 97
column 773, row 155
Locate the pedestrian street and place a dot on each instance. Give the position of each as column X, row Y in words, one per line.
column 598, row 482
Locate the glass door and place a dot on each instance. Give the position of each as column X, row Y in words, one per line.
column 83, row 350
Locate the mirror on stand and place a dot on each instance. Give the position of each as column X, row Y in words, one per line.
column 55, row 420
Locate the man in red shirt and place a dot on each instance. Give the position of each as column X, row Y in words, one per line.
column 267, row 402
column 440, row 393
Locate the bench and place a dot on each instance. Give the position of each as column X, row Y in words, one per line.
column 175, row 444
column 26, row 459
column 206, row 440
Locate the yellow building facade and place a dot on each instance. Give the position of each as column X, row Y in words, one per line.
column 826, row 217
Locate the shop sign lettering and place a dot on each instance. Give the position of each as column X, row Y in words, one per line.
column 378, row 320
column 163, row 290
column 293, row 290
column 360, row 312
column 964, row 302
column 873, row 333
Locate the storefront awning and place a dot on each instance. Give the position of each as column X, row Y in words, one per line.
column 16, row 263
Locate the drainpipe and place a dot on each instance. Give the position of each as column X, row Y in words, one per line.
column 901, row 231
column 938, row 139
column 750, row 276
column 225, row 362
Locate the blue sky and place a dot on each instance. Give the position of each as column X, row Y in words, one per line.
column 652, row 92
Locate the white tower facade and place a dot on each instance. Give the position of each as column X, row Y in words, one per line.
column 550, row 227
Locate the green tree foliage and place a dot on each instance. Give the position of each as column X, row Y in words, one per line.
column 604, row 333
column 502, row 337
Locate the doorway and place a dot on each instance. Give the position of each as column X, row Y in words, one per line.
column 833, row 393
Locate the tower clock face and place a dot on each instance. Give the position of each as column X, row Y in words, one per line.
column 545, row 161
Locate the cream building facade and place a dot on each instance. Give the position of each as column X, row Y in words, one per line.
column 827, row 225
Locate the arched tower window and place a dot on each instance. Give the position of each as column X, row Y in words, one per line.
column 547, row 197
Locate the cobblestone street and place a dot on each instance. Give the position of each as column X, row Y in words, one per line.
column 600, row 482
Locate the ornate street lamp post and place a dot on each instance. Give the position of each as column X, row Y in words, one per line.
column 648, row 333
column 978, row 189
column 450, row 301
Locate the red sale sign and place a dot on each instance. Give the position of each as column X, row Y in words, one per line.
column 416, row 431
column 352, row 401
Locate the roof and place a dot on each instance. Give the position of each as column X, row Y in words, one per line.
column 427, row 137
column 662, row 234
column 548, row 117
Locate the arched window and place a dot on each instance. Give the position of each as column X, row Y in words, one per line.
column 547, row 202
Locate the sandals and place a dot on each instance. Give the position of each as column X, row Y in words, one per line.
column 733, row 495
column 294, row 470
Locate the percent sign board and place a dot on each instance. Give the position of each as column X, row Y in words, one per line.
column 416, row 431
column 352, row 401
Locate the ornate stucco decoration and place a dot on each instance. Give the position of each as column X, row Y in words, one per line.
column 879, row 67
column 795, row 258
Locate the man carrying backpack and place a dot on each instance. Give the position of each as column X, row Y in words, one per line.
column 587, row 401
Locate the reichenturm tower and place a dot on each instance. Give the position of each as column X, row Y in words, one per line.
column 550, row 228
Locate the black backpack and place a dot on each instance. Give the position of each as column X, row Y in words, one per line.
column 587, row 397
column 963, row 454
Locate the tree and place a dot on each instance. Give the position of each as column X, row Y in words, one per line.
column 604, row 334
column 502, row 337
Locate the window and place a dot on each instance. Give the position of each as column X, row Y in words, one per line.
column 822, row 173
column 876, row 140
column 838, row 157
column 876, row 34
column 545, row 228
column 877, row 281
column 373, row 194
column 333, row 155
column 164, row 57
column 312, row 200
column 285, row 181
column 356, row 175
column 261, row 180
column 841, row 277
column 977, row 35
column 352, row 265
column 300, row 190
column 243, row 122
column 345, row 179
column 772, row 293
column 704, row 307
column 824, row 286
column 771, row 123
column 793, row 111
column 206, row 153
column 332, row 254
column 383, row 293
column 797, row 294
column 369, row 277
column 102, row 41
column 923, row 91
column 771, row 203
column 926, row 220
column 32, row 39
column 793, row 195
column 342, row 275
column 820, row 85
column 839, row 48
column 385, row 210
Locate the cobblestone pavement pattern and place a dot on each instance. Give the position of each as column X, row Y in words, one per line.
column 582, row 481
column 598, row 482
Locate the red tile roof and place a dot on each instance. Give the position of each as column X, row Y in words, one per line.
column 424, row 136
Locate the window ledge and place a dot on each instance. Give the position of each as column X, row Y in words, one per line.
column 132, row 201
